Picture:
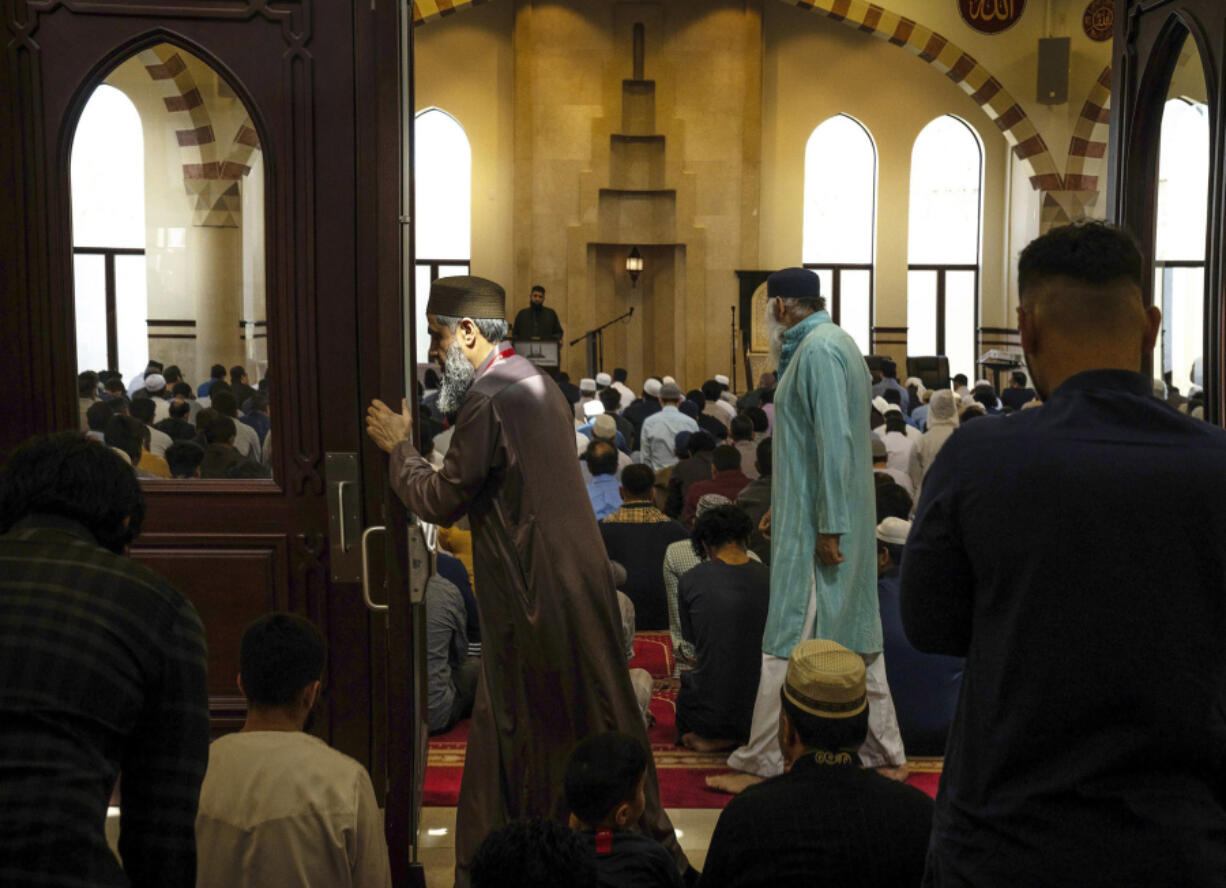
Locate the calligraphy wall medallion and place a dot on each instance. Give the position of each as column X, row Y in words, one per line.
column 1099, row 19
column 991, row 16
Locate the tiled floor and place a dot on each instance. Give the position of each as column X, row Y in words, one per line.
column 694, row 827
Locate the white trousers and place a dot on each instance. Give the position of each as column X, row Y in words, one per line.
column 761, row 755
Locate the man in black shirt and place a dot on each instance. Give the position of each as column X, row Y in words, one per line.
column 1089, row 743
column 723, row 604
column 826, row 820
column 1018, row 394
column 536, row 321
column 103, row 666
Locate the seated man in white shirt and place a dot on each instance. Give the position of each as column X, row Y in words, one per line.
column 280, row 808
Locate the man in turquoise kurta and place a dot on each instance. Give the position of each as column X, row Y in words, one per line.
column 823, row 518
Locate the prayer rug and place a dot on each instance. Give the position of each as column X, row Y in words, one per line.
column 682, row 772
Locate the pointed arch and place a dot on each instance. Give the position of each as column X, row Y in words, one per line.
column 428, row 10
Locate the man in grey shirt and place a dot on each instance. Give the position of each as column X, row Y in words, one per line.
column 452, row 675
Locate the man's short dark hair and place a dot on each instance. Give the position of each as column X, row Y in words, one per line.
column 720, row 526
column 537, row 288
column 895, row 551
column 181, row 390
column 620, row 374
column 87, row 384
column 638, row 480
column 833, row 734
column 761, row 422
column 153, row 367
column 892, row 396
column 764, row 458
column 889, row 369
column 697, row 397
column 219, row 386
column 1018, row 377
column 280, row 655
column 203, row 417
column 114, row 385
column 601, row 458
column 69, row 475
column 217, row 372
column 180, row 409
column 533, row 853
column 725, row 458
column 1094, row 253
column 611, row 399
column 894, row 422
column 257, row 403
column 960, row 379
column 225, row 403
column 711, row 390
column 603, row 772
column 127, row 434
column 172, row 374
column 741, row 427
column 701, row 441
column 892, row 500
column 237, row 372
column 98, row 415
column 220, row 430
column 143, row 409
column 184, row 457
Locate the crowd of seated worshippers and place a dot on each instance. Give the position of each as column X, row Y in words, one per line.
column 168, row 411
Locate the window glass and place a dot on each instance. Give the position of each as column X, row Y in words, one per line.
column 946, row 171
column 840, row 193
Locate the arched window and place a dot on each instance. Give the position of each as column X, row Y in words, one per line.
column 840, row 221
column 108, row 234
column 943, row 243
column 1179, row 266
column 442, row 167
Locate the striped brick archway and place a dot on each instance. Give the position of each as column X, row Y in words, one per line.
column 211, row 171
column 1085, row 172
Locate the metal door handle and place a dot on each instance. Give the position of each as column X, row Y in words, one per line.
column 371, row 605
column 340, row 508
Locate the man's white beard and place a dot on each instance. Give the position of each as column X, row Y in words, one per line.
column 774, row 335
column 458, row 376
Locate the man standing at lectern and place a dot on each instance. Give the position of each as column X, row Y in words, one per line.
column 553, row 672
column 536, row 321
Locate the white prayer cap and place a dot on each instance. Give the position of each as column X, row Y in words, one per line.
column 155, row 382
column 652, row 387
column 893, row 531
column 604, row 380
column 721, row 379
column 604, row 428
column 891, row 408
column 709, row 501
column 667, row 379
column 592, row 409
column 587, row 385
column 979, row 382
column 582, row 442
column 915, row 381
column 943, row 408
column 880, row 403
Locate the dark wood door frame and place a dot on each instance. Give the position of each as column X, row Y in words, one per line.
column 319, row 79
column 1149, row 35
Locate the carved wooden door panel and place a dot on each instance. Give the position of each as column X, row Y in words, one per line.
column 301, row 100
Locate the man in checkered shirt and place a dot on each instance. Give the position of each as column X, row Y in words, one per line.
column 102, row 672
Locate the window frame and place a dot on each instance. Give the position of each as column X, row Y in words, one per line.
column 108, row 255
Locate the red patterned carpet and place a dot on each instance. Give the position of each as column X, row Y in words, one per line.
column 681, row 772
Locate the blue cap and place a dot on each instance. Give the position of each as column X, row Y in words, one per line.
column 793, row 283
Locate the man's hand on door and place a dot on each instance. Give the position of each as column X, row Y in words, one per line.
column 387, row 429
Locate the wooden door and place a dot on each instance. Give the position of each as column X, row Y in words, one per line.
column 1149, row 37
column 320, row 83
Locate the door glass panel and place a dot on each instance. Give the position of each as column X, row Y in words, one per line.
column 1183, row 180
column 960, row 322
column 921, row 313
column 89, row 282
column 168, row 230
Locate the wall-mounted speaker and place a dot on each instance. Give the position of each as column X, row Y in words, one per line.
column 1053, row 70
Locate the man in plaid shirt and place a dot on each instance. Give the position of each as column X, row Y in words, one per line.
column 102, row 672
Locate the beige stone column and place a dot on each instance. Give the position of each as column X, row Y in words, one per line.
column 215, row 285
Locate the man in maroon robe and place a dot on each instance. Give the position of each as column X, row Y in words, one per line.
column 553, row 671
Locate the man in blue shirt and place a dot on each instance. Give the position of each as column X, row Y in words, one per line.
column 659, row 433
column 1089, row 743
column 604, row 490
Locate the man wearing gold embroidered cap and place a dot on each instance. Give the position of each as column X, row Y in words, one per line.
column 826, row 815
